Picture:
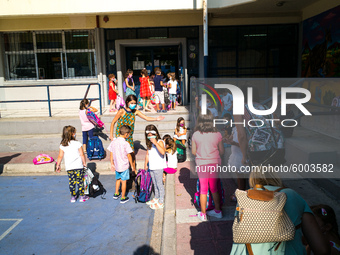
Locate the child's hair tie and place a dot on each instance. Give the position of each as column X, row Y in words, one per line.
column 324, row 212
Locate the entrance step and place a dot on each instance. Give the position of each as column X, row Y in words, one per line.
column 310, row 147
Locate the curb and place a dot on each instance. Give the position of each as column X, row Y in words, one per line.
column 169, row 237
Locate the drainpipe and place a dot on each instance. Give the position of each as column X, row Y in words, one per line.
column 205, row 36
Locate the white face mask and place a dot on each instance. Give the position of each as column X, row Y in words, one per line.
column 74, row 136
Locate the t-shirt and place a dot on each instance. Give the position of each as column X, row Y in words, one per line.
column 295, row 207
column 120, row 149
column 173, row 89
column 156, row 159
column 72, row 156
column 172, row 159
column 213, row 111
column 86, row 125
column 157, row 82
column 227, row 101
column 207, row 147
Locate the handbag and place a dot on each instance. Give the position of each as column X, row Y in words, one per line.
column 261, row 217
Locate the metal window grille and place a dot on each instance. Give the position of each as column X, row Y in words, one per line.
column 50, row 55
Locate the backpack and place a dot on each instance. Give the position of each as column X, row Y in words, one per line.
column 94, row 119
column 153, row 98
column 124, row 86
column 265, row 142
column 143, row 184
column 261, row 217
column 210, row 200
column 119, row 102
column 42, row 159
column 96, row 188
column 95, row 149
column 181, row 152
column 166, row 96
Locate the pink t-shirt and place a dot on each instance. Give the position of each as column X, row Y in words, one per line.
column 120, row 150
column 86, row 125
column 207, row 148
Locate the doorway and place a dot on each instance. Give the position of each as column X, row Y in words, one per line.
column 164, row 57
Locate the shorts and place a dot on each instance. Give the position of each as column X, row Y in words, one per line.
column 159, row 95
column 124, row 176
column 173, row 98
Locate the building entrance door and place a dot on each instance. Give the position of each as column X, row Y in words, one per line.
column 164, row 57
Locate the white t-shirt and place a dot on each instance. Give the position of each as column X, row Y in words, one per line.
column 172, row 160
column 72, row 156
column 156, row 160
column 173, row 89
column 227, row 101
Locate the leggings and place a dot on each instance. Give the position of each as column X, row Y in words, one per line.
column 76, row 177
column 208, row 179
column 86, row 135
column 157, row 180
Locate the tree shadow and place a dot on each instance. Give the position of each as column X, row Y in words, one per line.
column 145, row 250
column 6, row 159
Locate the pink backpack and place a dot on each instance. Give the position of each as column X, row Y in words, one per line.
column 42, row 159
column 119, row 102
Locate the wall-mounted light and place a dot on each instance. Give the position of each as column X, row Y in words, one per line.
column 106, row 19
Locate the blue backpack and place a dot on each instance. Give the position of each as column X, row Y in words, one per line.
column 143, row 186
column 210, row 200
column 95, row 149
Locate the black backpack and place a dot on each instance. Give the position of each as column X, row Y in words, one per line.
column 96, row 188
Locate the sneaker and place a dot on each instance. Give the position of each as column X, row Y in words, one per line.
column 202, row 216
column 153, row 201
column 116, row 196
column 215, row 214
column 83, row 199
column 73, row 199
column 158, row 111
column 124, row 200
column 164, row 111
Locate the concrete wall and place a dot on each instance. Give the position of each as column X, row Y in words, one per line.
column 318, row 7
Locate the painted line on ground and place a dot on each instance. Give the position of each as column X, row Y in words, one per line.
column 17, row 221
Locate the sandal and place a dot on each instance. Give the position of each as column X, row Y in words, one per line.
column 157, row 206
column 151, row 202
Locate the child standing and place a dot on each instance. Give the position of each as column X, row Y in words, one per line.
column 155, row 156
column 181, row 131
column 120, row 156
column 171, row 153
column 86, row 126
column 75, row 161
column 130, row 84
column 112, row 92
column 145, row 92
column 159, row 93
column 207, row 147
column 172, row 84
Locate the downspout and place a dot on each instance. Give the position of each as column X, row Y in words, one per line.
column 205, row 36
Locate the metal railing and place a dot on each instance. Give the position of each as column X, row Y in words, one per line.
column 49, row 100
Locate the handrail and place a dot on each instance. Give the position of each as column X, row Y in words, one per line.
column 49, row 100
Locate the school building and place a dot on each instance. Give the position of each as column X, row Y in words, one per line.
column 81, row 42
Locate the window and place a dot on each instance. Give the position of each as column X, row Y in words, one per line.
column 50, row 55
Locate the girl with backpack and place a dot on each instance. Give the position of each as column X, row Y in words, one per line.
column 72, row 152
column 86, row 126
column 155, row 158
column 207, row 147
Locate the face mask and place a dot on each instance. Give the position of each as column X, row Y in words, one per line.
column 153, row 136
column 74, row 136
column 208, row 104
column 130, row 75
column 182, row 125
column 132, row 106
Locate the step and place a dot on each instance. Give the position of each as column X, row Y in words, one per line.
column 310, row 147
column 46, row 125
column 51, row 142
